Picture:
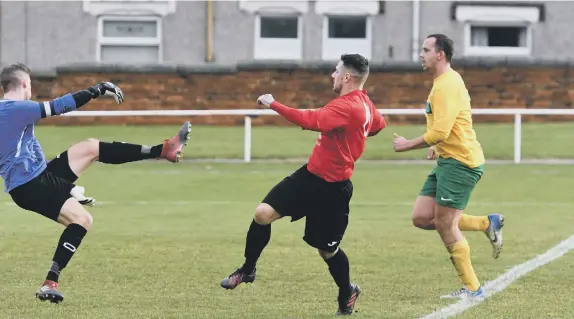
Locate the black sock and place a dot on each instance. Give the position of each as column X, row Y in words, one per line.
column 258, row 237
column 67, row 246
column 154, row 151
column 339, row 269
column 119, row 153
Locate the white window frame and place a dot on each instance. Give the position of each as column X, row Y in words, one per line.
column 470, row 50
column 332, row 49
column 274, row 6
column 350, row 7
column 497, row 16
column 128, row 41
column 278, row 49
column 131, row 7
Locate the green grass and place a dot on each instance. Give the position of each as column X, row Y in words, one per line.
column 166, row 234
column 540, row 141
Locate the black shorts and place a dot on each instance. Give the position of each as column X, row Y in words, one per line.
column 47, row 192
column 324, row 204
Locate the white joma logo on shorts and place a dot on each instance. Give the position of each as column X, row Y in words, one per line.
column 332, row 244
column 446, row 199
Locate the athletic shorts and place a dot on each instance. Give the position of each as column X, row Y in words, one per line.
column 47, row 192
column 324, row 204
column 451, row 183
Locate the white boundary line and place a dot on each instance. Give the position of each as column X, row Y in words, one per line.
column 500, row 283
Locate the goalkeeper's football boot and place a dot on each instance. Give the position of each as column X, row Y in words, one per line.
column 78, row 193
column 173, row 148
column 494, row 233
column 236, row 278
column 49, row 291
column 464, row 293
column 347, row 305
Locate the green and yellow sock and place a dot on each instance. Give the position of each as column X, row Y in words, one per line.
column 460, row 257
column 473, row 223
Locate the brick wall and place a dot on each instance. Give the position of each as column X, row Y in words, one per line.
column 492, row 85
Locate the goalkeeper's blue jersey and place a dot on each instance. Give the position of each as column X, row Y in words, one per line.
column 21, row 156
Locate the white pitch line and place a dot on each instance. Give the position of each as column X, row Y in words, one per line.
column 504, row 280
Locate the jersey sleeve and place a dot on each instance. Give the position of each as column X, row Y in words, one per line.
column 379, row 123
column 27, row 112
column 331, row 116
column 445, row 108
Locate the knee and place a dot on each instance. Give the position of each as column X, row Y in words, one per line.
column 92, row 147
column 423, row 222
column 424, row 212
column 326, row 254
column 265, row 214
column 444, row 221
column 84, row 219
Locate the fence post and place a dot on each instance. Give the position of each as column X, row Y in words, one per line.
column 247, row 140
column 517, row 137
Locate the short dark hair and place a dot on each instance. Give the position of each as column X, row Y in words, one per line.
column 9, row 76
column 357, row 63
column 443, row 43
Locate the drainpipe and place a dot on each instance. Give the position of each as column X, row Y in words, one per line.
column 209, row 32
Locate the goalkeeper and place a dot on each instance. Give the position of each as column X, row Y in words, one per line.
column 48, row 188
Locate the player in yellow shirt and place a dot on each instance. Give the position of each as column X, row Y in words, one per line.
column 450, row 137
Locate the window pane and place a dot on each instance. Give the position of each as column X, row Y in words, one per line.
column 348, row 27
column 130, row 29
column 498, row 36
column 279, row 27
column 130, row 54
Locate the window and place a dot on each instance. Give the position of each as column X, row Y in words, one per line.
column 497, row 30
column 278, row 28
column 278, row 37
column 131, row 40
column 347, row 27
column 346, row 34
column 503, row 40
column 498, row 36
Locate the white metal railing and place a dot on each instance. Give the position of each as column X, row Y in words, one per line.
column 517, row 113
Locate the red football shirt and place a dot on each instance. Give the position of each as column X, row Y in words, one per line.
column 344, row 123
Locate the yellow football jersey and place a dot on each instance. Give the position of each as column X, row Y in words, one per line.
column 449, row 121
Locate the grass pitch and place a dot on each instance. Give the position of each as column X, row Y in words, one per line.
column 539, row 141
column 166, row 234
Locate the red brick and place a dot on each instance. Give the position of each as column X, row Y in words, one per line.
column 502, row 87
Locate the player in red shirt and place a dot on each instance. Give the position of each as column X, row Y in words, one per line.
column 320, row 190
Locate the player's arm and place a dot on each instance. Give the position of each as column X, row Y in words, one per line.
column 379, row 123
column 331, row 116
column 417, row 143
column 445, row 110
column 29, row 112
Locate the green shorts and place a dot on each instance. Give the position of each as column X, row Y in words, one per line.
column 451, row 183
